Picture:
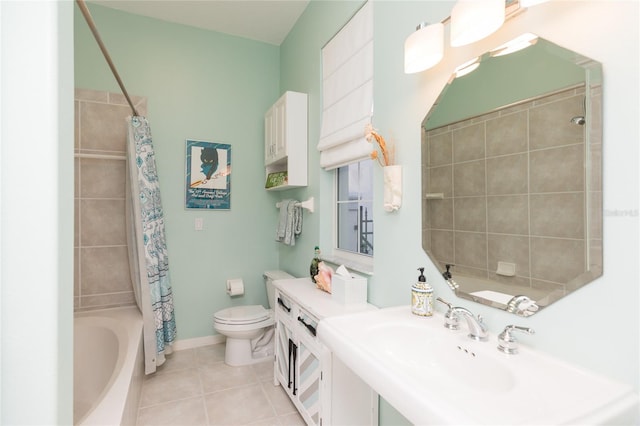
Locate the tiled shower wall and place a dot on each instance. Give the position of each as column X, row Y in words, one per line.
column 514, row 190
column 101, row 276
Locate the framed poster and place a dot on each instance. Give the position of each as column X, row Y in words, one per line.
column 208, row 175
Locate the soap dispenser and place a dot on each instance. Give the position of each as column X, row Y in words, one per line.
column 313, row 269
column 422, row 296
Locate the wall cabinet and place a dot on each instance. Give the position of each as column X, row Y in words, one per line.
column 305, row 368
column 285, row 140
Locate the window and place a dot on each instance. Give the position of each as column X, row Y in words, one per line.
column 354, row 208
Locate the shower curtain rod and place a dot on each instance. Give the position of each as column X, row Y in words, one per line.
column 92, row 26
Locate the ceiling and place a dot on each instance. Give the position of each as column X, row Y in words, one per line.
column 268, row 21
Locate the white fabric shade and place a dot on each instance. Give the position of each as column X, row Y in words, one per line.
column 347, row 92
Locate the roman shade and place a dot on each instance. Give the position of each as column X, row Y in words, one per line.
column 347, row 92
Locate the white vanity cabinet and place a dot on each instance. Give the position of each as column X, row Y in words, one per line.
column 305, row 368
column 285, row 140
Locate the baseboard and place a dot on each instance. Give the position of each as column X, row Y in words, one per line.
column 197, row 342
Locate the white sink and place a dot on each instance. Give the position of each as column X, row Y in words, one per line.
column 433, row 375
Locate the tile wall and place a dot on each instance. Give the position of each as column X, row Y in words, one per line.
column 101, row 276
column 514, row 185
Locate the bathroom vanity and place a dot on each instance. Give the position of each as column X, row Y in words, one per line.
column 321, row 387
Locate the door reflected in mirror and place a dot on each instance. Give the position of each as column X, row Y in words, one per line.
column 512, row 179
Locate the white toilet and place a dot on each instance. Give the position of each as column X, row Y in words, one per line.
column 249, row 329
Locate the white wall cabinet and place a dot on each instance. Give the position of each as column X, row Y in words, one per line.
column 304, row 367
column 285, row 139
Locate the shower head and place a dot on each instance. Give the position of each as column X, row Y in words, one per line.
column 579, row 120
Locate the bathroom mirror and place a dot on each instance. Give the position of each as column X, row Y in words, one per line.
column 512, row 177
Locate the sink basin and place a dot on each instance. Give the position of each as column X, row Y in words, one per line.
column 433, row 375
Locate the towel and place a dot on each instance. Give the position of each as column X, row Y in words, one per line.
column 290, row 222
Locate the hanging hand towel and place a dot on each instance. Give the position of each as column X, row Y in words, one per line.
column 290, row 223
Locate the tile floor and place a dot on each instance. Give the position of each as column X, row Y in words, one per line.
column 196, row 387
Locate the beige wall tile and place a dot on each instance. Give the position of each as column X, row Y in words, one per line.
column 549, row 124
column 557, row 170
column 471, row 249
column 558, row 215
column 103, row 223
column 440, row 149
column 104, row 270
column 469, row 179
column 102, row 178
column 507, row 175
column 470, row 214
column 441, row 180
column 107, row 300
column 440, row 213
column 594, row 204
column 508, row 214
column 102, row 126
column 76, row 222
column 557, row 260
column 442, row 246
column 507, row 134
column 468, row 143
column 509, row 248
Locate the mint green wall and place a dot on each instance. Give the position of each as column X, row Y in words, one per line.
column 504, row 80
column 208, row 86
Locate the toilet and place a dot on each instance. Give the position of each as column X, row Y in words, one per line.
column 249, row 329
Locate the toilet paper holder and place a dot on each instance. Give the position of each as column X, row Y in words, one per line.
column 235, row 287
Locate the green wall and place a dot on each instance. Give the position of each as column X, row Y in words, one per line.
column 207, row 86
column 504, row 80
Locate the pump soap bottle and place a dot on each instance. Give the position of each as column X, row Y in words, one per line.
column 422, row 296
column 313, row 269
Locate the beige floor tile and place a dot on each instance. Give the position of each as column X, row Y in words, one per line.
column 264, row 370
column 212, row 354
column 179, row 360
column 220, row 376
column 273, row 421
column 278, row 398
column 186, row 412
column 239, row 406
column 170, row 386
column 293, row 419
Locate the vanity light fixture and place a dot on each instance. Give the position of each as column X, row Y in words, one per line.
column 470, row 21
column 424, row 48
column 521, row 42
column 473, row 20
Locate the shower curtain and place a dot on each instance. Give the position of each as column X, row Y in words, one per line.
column 148, row 260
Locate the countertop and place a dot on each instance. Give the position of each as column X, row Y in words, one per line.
column 305, row 294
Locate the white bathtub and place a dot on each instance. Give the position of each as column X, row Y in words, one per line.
column 107, row 366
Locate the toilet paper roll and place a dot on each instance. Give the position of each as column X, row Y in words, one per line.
column 235, row 287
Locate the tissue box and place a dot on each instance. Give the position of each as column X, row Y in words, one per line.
column 349, row 290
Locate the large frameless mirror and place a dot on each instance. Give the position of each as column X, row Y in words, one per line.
column 512, row 179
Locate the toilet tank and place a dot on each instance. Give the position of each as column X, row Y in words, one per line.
column 269, row 277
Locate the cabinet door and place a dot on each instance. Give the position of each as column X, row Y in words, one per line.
column 280, row 122
column 308, row 377
column 269, row 136
column 284, row 366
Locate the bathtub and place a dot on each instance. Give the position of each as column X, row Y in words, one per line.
column 107, row 366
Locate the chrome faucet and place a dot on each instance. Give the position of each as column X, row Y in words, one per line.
column 507, row 343
column 477, row 328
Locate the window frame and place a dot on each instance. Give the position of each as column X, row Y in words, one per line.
column 362, row 263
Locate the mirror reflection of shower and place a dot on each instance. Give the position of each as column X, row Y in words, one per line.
column 579, row 119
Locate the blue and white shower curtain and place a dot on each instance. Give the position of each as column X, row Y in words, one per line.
column 148, row 259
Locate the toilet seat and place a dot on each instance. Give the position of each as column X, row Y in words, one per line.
column 242, row 315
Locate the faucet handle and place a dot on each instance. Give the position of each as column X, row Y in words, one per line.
column 507, row 343
column 439, row 299
column 450, row 318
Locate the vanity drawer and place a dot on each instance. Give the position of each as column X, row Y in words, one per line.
column 307, row 322
column 284, row 305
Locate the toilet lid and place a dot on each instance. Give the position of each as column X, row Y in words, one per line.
column 242, row 314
